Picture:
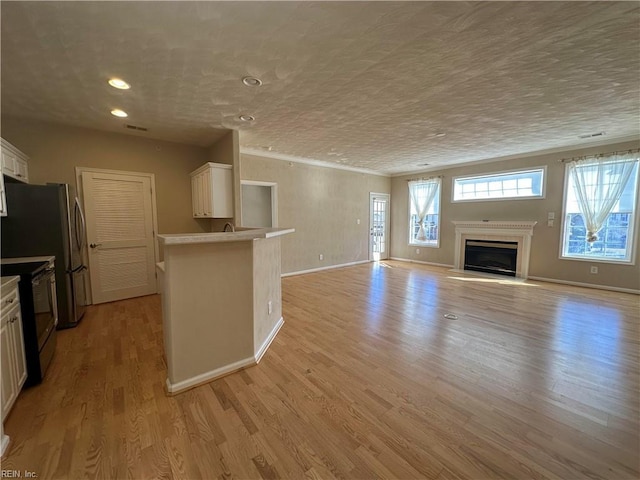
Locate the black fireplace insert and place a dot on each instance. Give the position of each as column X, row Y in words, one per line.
column 491, row 256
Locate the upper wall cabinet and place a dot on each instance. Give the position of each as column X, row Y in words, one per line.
column 14, row 162
column 212, row 191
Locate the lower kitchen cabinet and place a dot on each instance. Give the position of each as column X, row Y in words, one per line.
column 14, row 366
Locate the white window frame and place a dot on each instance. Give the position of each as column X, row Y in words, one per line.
column 542, row 195
column 431, row 243
column 632, row 228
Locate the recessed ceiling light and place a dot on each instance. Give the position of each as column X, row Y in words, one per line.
column 252, row 81
column 119, row 83
column 247, row 118
column 441, row 134
column 116, row 112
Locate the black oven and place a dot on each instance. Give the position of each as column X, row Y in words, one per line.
column 38, row 306
column 43, row 288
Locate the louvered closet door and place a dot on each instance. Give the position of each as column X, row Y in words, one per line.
column 120, row 235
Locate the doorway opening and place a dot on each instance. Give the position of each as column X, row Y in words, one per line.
column 259, row 202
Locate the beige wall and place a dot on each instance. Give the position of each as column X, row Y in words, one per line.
column 545, row 247
column 224, row 151
column 215, row 307
column 55, row 150
column 267, row 287
column 207, row 308
column 322, row 204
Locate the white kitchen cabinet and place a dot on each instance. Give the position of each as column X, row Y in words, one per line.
column 14, row 366
column 212, row 191
column 15, row 164
column 8, row 382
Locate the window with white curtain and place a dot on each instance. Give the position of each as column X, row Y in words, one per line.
column 424, row 212
column 600, row 208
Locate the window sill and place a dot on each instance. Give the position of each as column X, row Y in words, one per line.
column 598, row 260
column 419, row 244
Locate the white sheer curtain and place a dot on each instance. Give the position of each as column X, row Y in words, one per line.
column 598, row 184
column 422, row 194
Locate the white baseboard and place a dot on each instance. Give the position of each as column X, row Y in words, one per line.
column 175, row 388
column 421, row 262
column 330, row 267
column 265, row 345
column 207, row 377
column 586, row 285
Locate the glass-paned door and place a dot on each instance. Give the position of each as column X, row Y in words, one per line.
column 379, row 226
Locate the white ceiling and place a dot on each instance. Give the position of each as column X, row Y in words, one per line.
column 362, row 84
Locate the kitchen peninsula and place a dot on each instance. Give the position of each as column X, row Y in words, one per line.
column 221, row 302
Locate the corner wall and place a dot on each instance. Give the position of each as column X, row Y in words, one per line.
column 323, row 205
column 267, row 287
column 545, row 245
column 225, row 151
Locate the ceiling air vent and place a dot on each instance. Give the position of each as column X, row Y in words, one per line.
column 591, row 135
column 135, row 127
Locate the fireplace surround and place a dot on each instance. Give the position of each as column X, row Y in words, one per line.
column 519, row 233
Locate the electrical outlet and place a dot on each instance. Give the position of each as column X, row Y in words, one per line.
column 269, row 307
column 417, row 251
column 549, row 223
column 551, row 215
column 594, row 269
column 321, row 257
column 357, row 221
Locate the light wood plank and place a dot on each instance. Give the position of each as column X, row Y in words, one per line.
column 366, row 379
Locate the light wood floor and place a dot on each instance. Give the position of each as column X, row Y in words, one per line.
column 366, row 379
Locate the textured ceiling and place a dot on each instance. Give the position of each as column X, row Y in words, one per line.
column 363, row 84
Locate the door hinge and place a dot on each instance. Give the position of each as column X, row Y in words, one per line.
column 156, row 274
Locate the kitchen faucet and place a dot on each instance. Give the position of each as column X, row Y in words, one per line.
column 231, row 227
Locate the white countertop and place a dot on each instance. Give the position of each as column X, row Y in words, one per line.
column 12, row 260
column 219, row 237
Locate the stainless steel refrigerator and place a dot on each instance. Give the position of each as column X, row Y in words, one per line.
column 48, row 220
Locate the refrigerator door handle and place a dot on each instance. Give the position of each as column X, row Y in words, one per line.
column 80, row 233
column 81, row 268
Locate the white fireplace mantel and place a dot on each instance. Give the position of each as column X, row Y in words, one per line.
column 505, row 231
